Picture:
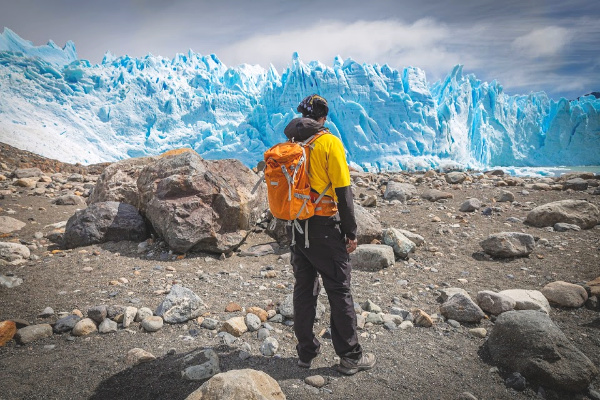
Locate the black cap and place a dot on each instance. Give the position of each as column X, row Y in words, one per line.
column 313, row 106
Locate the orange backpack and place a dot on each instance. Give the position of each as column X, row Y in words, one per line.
column 288, row 186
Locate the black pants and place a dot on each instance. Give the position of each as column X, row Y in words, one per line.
column 326, row 256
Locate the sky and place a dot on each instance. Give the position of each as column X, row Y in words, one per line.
column 526, row 45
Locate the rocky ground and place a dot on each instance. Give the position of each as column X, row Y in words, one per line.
column 439, row 362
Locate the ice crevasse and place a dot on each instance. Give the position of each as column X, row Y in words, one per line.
column 59, row 106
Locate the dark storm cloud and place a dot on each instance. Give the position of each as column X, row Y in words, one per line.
column 526, row 45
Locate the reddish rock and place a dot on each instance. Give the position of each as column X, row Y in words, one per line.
column 259, row 312
column 7, row 331
column 233, row 307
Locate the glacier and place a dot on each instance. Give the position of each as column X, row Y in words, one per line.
column 59, row 106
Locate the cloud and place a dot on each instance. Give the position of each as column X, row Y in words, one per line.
column 543, row 42
column 387, row 41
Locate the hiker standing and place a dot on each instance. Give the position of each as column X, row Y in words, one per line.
column 322, row 243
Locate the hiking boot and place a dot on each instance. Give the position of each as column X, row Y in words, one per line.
column 303, row 364
column 350, row 367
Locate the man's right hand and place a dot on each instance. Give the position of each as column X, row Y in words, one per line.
column 351, row 245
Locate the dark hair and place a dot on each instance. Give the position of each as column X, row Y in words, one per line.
column 313, row 106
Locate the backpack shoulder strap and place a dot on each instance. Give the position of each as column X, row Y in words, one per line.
column 310, row 140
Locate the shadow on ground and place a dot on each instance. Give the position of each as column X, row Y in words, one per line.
column 161, row 378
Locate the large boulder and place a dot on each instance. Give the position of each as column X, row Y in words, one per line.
column 200, row 205
column 368, row 227
column 104, row 222
column 578, row 212
column 118, row 182
column 529, row 342
column 508, row 244
column 239, row 384
column 399, row 191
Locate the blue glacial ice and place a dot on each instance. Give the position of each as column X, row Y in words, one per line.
column 62, row 107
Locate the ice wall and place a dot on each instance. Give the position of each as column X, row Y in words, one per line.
column 61, row 107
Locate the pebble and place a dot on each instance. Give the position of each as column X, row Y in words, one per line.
column 453, row 323
column 263, row 333
column 143, row 313
column 252, row 322
column 210, row 324
column 137, row 356
column 516, row 381
column 47, row 312
column 269, row 347
column 315, row 380
column 129, row 316
column 478, row 332
column 406, row 325
column 227, row 338
column 467, row 396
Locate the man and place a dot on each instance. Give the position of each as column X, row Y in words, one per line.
column 332, row 236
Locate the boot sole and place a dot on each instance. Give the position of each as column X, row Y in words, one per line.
column 352, row 371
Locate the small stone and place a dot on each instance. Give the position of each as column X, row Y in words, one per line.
column 129, row 316
column 516, row 381
column 421, row 318
column 478, row 332
column 210, row 324
column 360, row 321
column 269, row 347
column 390, row 326
column 375, row 318
column 370, row 306
column 259, row 312
column 233, row 307
column 467, row 396
column 453, row 323
column 406, row 325
column 47, row 312
column 235, row 326
column 137, row 356
column 97, row 313
column 205, row 370
column 227, row 338
column 8, row 329
column 315, row 380
column 470, row 205
column 143, row 313
column 252, row 322
column 506, row 196
column 152, row 323
column 107, row 326
column 263, row 333
column 84, row 327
